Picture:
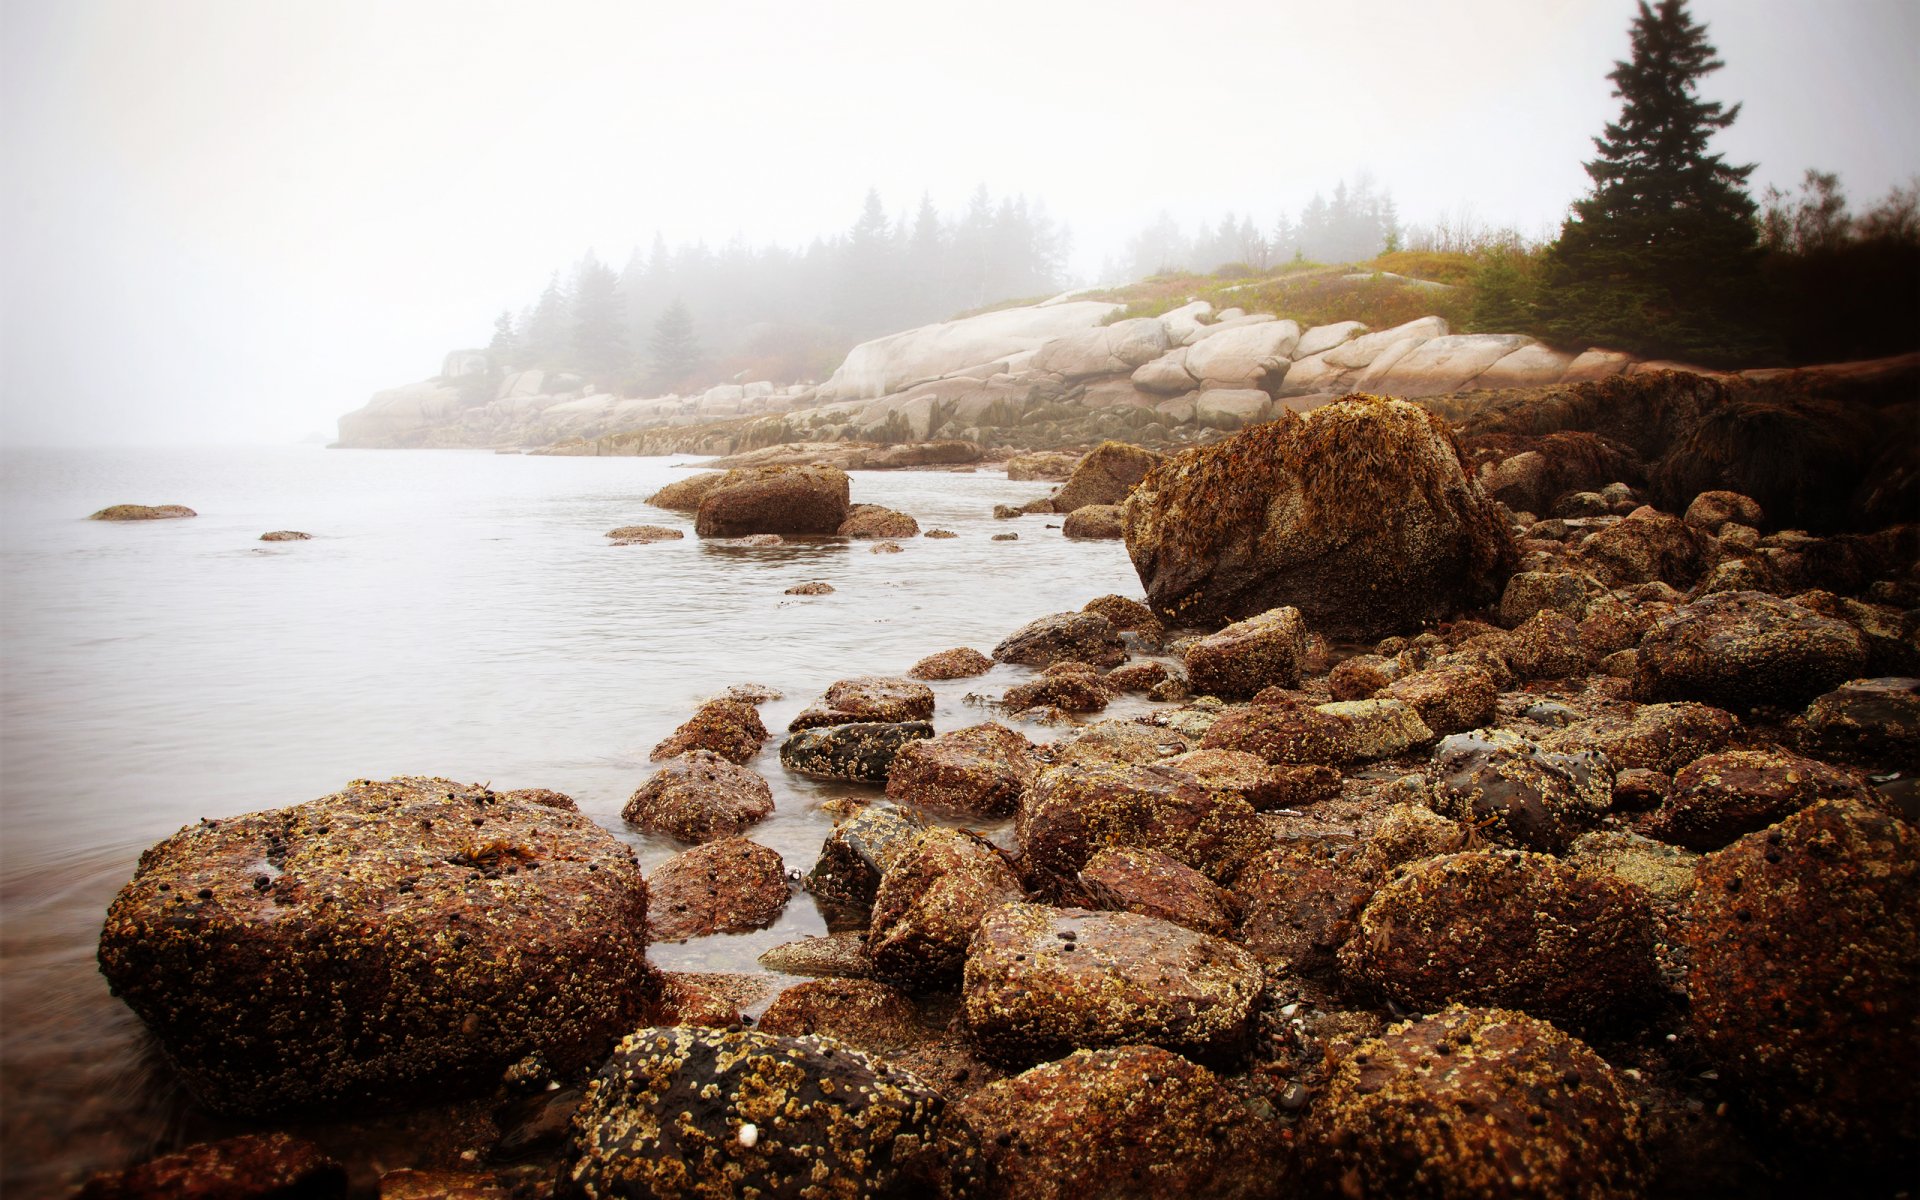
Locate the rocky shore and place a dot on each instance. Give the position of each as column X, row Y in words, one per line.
column 1524, row 807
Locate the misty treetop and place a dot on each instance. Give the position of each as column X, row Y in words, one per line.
column 1359, row 222
column 689, row 315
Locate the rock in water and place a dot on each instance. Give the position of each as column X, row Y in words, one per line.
column 1360, row 514
column 698, row 797
column 682, row 1112
column 1474, row 1102
column 803, row 500
column 142, row 512
column 1104, row 476
column 392, row 940
column 862, row 751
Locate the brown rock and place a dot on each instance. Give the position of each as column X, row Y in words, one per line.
column 1507, row 928
column 840, row 955
column 143, row 512
column 1150, row 883
column 815, row 587
column 865, row 1015
column 1071, row 812
column 1545, row 646
column 1516, row 793
column 726, row 886
column 1083, row 637
column 1450, row 699
column 868, row 698
column 1475, row 1102
column 784, row 500
column 545, row 797
column 1724, row 796
column 1299, row 904
column 1042, row 464
column 294, row 535
column 1290, row 733
column 1124, row 613
column 1646, row 545
column 697, row 797
column 1805, row 978
column 862, row 752
column 1133, row 1121
column 1360, row 514
column 1713, row 511
column 873, row 521
column 1105, row 476
column 1092, row 521
column 978, row 771
column 1657, row 737
column 252, row 1166
column 960, row 663
column 1069, row 692
column 1249, row 656
column 685, row 495
column 1041, row 982
column 1120, row 742
column 1741, row 649
column 1408, row 833
column 1362, row 675
column 1870, row 721
column 1529, row 592
column 1136, row 677
column 628, row 535
column 729, row 728
column 1253, row 779
column 472, row 929
column 929, row 904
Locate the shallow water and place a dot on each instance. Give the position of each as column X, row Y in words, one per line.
column 457, row 614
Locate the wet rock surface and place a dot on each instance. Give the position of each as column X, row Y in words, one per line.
column 977, row 771
column 1655, row 737
column 1062, row 637
column 697, row 797
column 874, row 521
column 1871, row 721
column 1134, row 1121
column 730, row 728
column 678, row 1112
column 1449, row 699
column 1741, row 649
column 1507, row 928
column 240, row 1168
column 1093, row 521
column 1299, row 903
column 929, row 904
column 143, row 512
column 469, row 930
column 864, row 1014
column 1515, row 793
column 1248, row 656
column 1041, row 982
column 868, row 698
column 1069, row 813
column 626, row 535
column 858, row 852
column 1722, row 796
column 1475, row 1102
column 1805, row 978
column 960, row 663
column 781, row 500
column 861, row 752
column 1151, row 884
column 726, row 886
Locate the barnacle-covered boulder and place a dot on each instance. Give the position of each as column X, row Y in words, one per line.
column 977, row 771
column 962, row 662
column 930, row 902
column 799, row 500
column 730, row 728
column 1360, row 514
column 861, row 752
column 1741, row 649
column 1071, row 812
column 1722, row 796
column 1247, row 656
column 392, row 940
column 1105, row 476
column 681, row 1111
column 1474, row 1102
column 867, row 698
column 1078, row 637
column 697, row 797
column 1518, row 793
column 726, row 886
column 858, row 852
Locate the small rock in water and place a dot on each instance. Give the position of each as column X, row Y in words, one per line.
column 142, row 512
column 885, row 548
column 1006, row 537
column 639, row 535
column 814, row 587
column 959, row 663
column 286, row 535
column 940, row 533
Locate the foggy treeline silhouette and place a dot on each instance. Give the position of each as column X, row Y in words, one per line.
column 1358, row 223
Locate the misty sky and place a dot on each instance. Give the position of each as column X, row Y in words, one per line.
column 232, row 220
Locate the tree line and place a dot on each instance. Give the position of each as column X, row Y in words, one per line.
column 1359, row 222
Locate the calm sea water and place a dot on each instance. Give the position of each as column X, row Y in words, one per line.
column 457, row 614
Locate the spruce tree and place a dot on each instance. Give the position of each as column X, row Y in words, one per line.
column 674, row 348
column 1660, row 255
column 599, row 321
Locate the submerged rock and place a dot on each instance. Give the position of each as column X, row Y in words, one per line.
column 143, row 512
column 694, row 1112
column 626, row 535
column 730, row 728
column 959, row 663
column 1360, row 514
column 1475, row 1102
column 1043, row 981
column 468, row 929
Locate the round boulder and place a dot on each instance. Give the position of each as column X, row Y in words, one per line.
column 729, row 728
column 1723, row 796
column 862, row 752
column 978, row 771
column 1741, row 649
column 697, row 797
column 728, row 886
column 1092, row 522
column 392, row 940
column 1518, row 793
column 1080, row 637
column 959, row 663
column 1071, row 812
column 873, row 521
column 780, row 500
column 1105, row 476
column 868, row 698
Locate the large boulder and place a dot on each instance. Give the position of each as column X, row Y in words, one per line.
column 1442, row 364
column 1475, row 1102
column 1105, row 476
column 1361, row 514
column 1722, row 796
column 1742, row 649
column 1804, row 977
column 1063, row 637
column 1133, row 1121
column 1517, row 793
column 891, row 363
column 393, row 940
column 1250, row 356
column 685, row 495
column 930, row 902
column 978, row 771
column 1041, row 982
column 683, row 1111
column 786, row 500
column 1103, row 350
column 697, row 797
column 731, row 885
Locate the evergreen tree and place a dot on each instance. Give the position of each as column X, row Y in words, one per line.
column 674, row 348
column 599, row 321
column 505, row 347
column 1658, row 257
column 546, row 328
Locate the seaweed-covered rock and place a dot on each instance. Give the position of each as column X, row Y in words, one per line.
column 874, row 521
column 1741, row 649
column 253, row 1166
column 1105, row 476
column 1074, row 692
column 1129, row 1123
column 697, row 797
column 1805, row 977
column 143, row 512
column 730, row 728
column 1092, row 522
column 1722, row 796
column 858, row 852
column 1287, row 733
column 1150, row 883
column 1449, row 699
column 1530, row 592
column 1071, row 812
column 864, row 1014
column 1248, row 656
column 867, row 698
column 1498, row 781
column 726, row 886
column 1054, row 465
column 1656, row 737
column 784, row 500
column 1360, row 514
column 977, row 771
column 959, row 663
column 1122, row 612
column 1646, row 545
column 1871, row 721
column 682, row 1112
column 468, row 930
column 1299, row 902
column 1507, row 928
column 1041, row 982
column 1080, row 637
column 930, row 902
column 685, row 495
column 1475, row 1103
column 862, row 752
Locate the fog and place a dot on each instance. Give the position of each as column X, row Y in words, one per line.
column 228, row 221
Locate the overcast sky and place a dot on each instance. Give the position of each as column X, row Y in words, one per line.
column 232, row 220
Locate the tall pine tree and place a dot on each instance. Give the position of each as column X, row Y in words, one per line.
column 599, row 321
column 1660, row 256
column 674, row 348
